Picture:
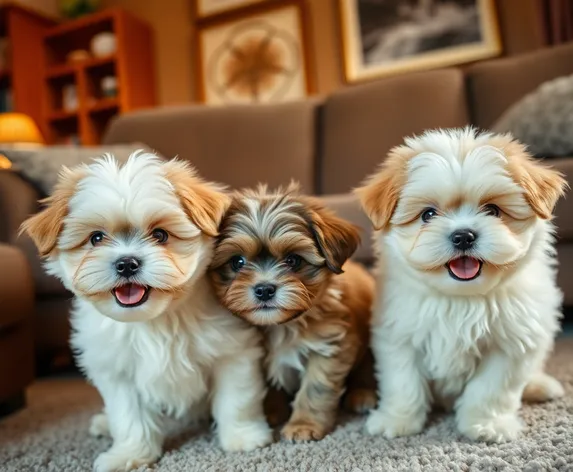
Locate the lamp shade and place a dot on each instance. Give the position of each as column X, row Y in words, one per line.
column 18, row 128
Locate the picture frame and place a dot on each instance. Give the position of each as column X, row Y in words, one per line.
column 395, row 36
column 260, row 56
column 208, row 8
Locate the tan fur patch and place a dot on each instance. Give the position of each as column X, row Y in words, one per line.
column 337, row 238
column 542, row 185
column 380, row 193
column 205, row 203
column 44, row 227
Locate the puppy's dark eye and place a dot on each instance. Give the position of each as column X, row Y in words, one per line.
column 428, row 214
column 237, row 263
column 293, row 261
column 491, row 210
column 96, row 238
column 160, row 235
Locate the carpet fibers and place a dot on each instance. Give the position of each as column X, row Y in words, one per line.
column 51, row 435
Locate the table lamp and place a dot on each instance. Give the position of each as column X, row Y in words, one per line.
column 17, row 130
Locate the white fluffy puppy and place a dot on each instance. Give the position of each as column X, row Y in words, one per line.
column 467, row 303
column 133, row 244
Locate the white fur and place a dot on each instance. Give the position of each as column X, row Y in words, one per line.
column 473, row 344
column 163, row 363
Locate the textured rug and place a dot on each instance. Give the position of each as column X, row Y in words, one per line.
column 51, row 435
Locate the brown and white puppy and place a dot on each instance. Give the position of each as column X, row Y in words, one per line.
column 133, row 243
column 279, row 264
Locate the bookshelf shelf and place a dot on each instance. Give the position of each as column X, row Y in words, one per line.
column 132, row 66
column 21, row 77
column 105, row 104
column 62, row 115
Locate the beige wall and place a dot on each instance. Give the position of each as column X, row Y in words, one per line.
column 171, row 21
column 327, row 45
column 518, row 22
column 520, row 27
column 173, row 25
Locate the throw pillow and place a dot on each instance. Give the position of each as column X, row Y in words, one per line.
column 41, row 166
column 543, row 119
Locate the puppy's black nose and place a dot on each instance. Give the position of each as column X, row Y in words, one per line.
column 264, row 292
column 127, row 266
column 463, row 239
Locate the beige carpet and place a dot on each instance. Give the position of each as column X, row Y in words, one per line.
column 51, row 435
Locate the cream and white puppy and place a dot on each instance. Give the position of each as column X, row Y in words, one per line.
column 133, row 243
column 467, row 304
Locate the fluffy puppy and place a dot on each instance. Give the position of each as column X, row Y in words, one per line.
column 467, row 303
column 279, row 265
column 133, row 244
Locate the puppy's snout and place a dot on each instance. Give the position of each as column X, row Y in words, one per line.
column 264, row 292
column 463, row 239
column 127, row 266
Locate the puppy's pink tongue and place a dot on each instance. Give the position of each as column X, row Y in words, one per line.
column 129, row 294
column 465, row 267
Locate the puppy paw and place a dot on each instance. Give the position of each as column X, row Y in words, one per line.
column 542, row 388
column 492, row 429
column 360, row 400
column 124, row 459
column 245, row 436
column 303, row 431
column 99, row 427
column 392, row 426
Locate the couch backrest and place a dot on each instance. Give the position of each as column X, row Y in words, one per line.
column 239, row 146
column 493, row 86
column 360, row 124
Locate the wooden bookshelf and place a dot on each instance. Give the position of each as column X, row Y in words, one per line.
column 21, row 78
column 132, row 64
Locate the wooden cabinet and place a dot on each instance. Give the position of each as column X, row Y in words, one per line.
column 21, row 76
column 132, row 64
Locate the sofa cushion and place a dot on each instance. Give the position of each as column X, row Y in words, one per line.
column 565, row 272
column 543, row 119
column 237, row 145
column 45, row 284
column 18, row 200
column 564, row 209
column 493, row 86
column 361, row 124
column 16, row 286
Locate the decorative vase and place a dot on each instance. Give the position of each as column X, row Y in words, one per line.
column 103, row 44
column 69, row 97
column 109, row 86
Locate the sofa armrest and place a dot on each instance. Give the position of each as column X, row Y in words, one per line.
column 347, row 206
column 18, row 200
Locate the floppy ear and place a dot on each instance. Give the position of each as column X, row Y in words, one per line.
column 380, row 193
column 45, row 227
column 204, row 202
column 542, row 185
column 336, row 238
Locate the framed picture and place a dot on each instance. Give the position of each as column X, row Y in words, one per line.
column 384, row 37
column 206, row 8
column 258, row 58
